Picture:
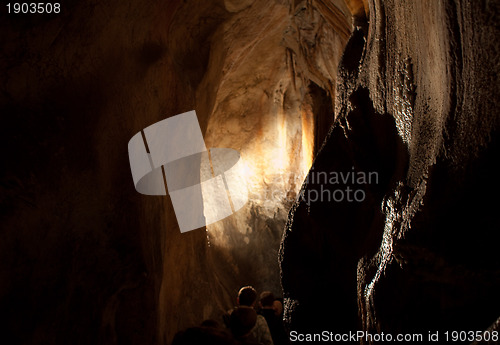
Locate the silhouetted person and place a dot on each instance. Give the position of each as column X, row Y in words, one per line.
column 278, row 307
column 247, row 297
column 275, row 322
column 241, row 322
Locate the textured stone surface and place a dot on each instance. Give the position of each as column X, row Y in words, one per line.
column 414, row 103
column 246, row 98
column 80, row 252
column 84, row 259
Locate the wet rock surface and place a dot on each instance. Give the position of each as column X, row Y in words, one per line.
column 419, row 253
column 85, row 259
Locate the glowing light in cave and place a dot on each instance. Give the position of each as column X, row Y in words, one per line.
column 307, row 138
column 275, row 166
column 276, row 154
column 279, row 156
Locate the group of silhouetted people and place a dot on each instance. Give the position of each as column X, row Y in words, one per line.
column 251, row 322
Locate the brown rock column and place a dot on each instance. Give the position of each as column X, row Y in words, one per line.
column 415, row 103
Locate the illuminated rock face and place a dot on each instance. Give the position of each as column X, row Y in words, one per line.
column 85, row 259
column 78, row 87
column 251, row 97
column 414, row 104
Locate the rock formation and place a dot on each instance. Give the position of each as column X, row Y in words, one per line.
column 405, row 90
column 419, row 253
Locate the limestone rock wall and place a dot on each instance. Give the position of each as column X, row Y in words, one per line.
column 85, row 259
column 415, row 104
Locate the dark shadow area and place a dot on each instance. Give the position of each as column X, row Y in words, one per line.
column 325, row 239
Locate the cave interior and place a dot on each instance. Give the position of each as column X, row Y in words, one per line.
column 368, row 136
